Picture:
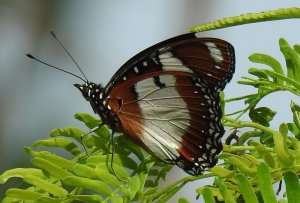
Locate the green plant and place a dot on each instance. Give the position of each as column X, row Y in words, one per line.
column 261, row 156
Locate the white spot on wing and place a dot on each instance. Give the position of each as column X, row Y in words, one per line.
column 215, row 52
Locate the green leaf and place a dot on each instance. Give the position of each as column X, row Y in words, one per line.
column 226, row 194
column 265, row 183
column 51, row 168
column 20, row 173
column 107, row 177
column 292, row 187
column 90, row 184
column 265, row 154
column 62, row 162
column 170, row 194
column 183, row 200
column 281, row 149
column 292, row 60
column 22, row 194
column 258, row 73
column 242, row 163
column 293, row 128
column 85, row 171
column 86, row 198
column 262, row 115
column 45, row 185
column 72, row 132
column 91, row 122
column 269, row 61
column 246, row 189
column 58, row 142
column 296, row 117
column 118, row 159
column 116, row 198
column 222, row 172
column 131, row 146
column 133, row 185
column 208, row 195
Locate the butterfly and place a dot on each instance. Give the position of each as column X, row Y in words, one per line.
column 166, row 99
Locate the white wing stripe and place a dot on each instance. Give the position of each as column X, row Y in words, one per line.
column 215, row 52
column 172, row 63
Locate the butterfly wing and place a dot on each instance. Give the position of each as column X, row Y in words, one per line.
column 211, row 59
column 166, row 99
column 177, row 121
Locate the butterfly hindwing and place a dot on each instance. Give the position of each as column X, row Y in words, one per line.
column 173, row 117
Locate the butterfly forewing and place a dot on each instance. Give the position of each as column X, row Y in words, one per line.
column 211, row 59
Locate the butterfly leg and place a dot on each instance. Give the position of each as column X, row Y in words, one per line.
column 112, row 158
column 87, row 133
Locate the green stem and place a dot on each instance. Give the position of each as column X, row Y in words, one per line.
column 279, row 14
column 239, row 98
column 180, row 182
column 243, row 124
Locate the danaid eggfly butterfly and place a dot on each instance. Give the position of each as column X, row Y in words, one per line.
column 166, row 98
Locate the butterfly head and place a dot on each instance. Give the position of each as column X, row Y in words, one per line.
column 92, row 93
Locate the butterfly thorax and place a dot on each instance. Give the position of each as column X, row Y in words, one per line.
column 93, row 93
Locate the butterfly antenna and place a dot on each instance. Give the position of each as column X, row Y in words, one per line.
column 54, row 36
column 49, row 65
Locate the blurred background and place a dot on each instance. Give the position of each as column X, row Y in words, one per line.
column 101, row 36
